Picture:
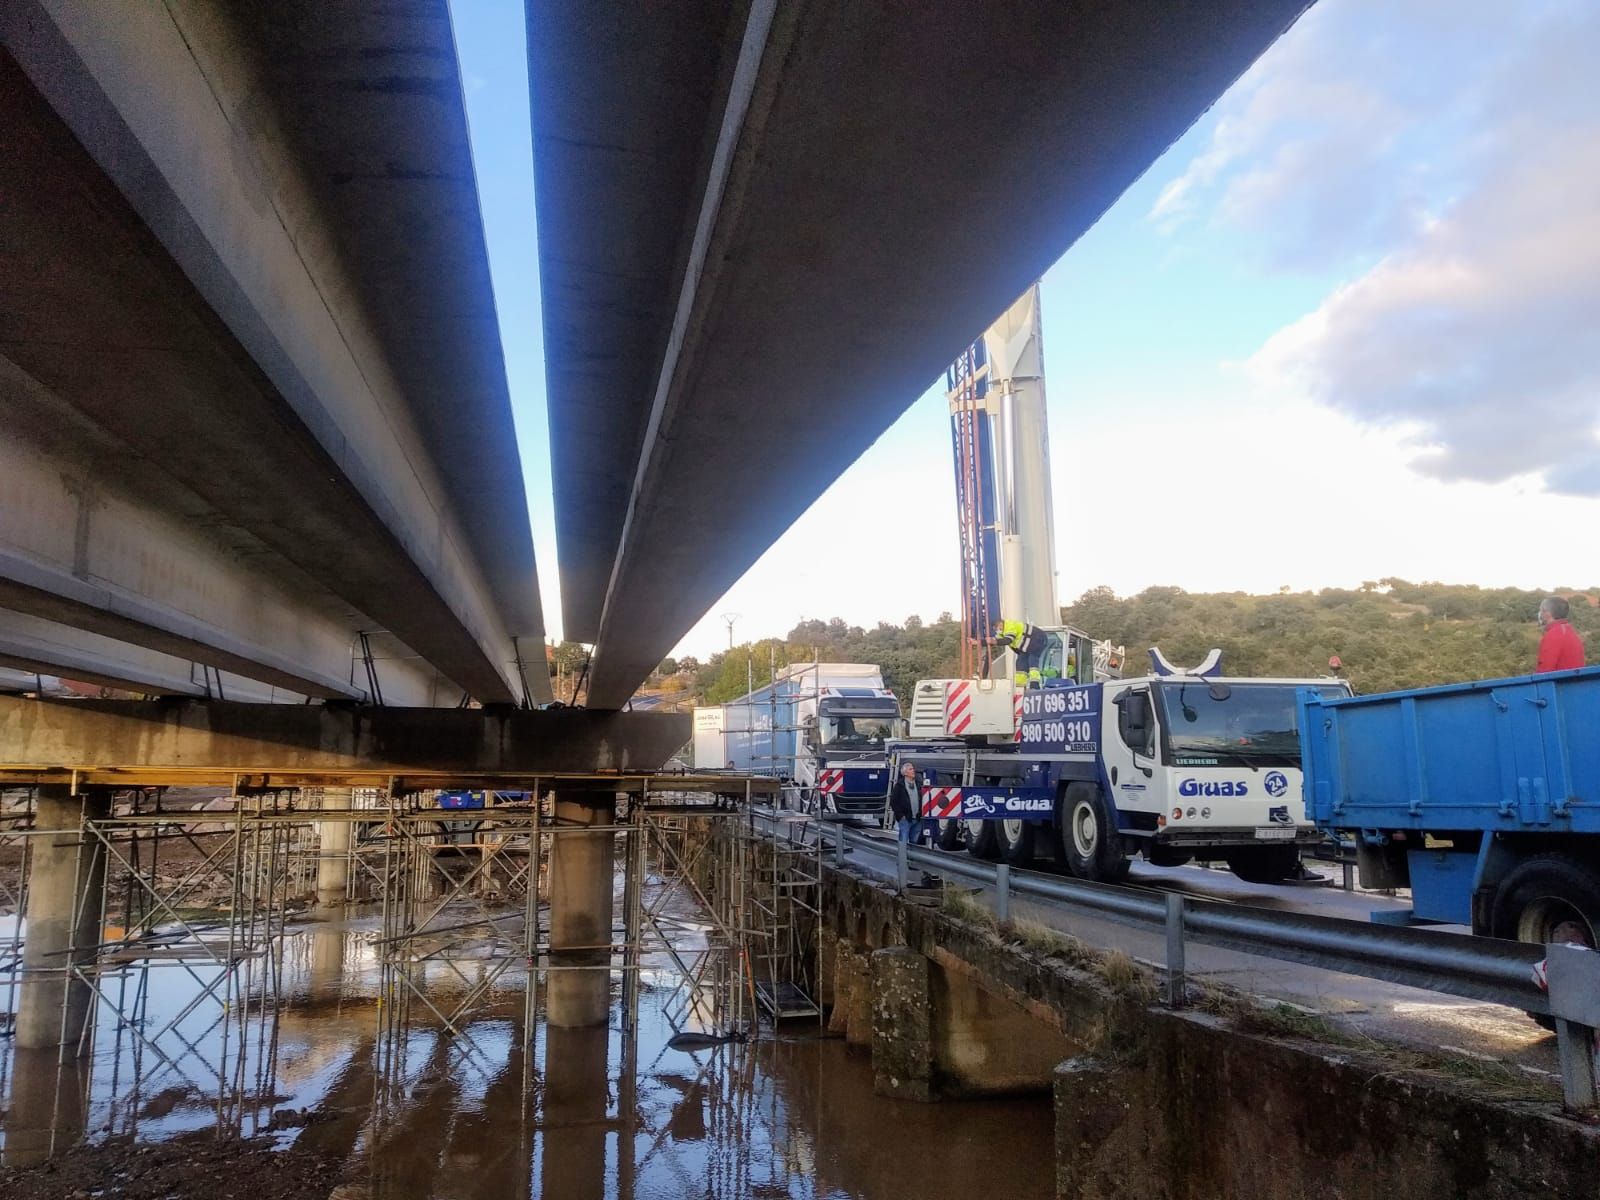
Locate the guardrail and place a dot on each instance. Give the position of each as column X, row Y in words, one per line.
column 1489, row 969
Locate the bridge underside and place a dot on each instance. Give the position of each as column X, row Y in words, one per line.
column 765, row 229
column 251, row 387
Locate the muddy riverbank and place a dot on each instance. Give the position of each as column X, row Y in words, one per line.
column 199, row 1165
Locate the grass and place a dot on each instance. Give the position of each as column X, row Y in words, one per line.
column 1046, row 942
column 964, row 906
column 1499, row 1080
column 1121, row 973
column 1276, row 1019
column 1128, row 978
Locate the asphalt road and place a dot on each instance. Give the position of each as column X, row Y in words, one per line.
column 1385, row 1011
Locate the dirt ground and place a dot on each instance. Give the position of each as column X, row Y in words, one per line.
column 197, row 1165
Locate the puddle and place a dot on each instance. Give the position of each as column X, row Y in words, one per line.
column 311, row 1052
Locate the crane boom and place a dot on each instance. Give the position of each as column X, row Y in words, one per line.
column 1000, row 437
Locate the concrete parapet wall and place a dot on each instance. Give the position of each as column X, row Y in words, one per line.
column 1165, row 1105
column 1194, row 1109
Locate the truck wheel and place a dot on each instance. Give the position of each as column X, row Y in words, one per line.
column 1166, row 856
column 1090, row 846
column 950, row 835
column 1263, row 864
column 981, row 840
column 1549, row 898
column 1016, row 842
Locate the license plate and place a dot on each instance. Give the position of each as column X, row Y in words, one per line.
column 1275, row 833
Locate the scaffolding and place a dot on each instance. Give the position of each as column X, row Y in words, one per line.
column 201, row 928
column 787, row 905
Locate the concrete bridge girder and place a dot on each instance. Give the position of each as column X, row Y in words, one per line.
column 148, row 591
column 222, row 215
column 35, row 648
column 839, row 197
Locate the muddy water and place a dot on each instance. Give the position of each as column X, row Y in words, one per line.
column 412, row 1113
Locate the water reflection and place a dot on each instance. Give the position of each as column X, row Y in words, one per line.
column 47, row 1106
column 413, row 1112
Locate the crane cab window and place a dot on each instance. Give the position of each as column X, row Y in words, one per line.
column 1067, row 657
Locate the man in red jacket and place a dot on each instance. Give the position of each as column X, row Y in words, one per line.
column 1561, row 648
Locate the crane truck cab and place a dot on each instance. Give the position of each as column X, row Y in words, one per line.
column 1172, row 765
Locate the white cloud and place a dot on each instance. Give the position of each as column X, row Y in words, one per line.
column 1481, row 333
column 1474, row 332
column 1268, row 491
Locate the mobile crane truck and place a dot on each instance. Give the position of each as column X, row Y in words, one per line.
column 1042, row 747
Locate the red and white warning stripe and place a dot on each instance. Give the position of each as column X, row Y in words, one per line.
column 1016, row 714
column 958, row 708
column 942, row 802
column 830, row 780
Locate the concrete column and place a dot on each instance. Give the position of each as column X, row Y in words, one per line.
column 902, row 1025
column 572, row 1124
column 581, row 866
column 66, row 885
column 333, row 851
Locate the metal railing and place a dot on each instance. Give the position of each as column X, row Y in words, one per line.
column 1479, row 968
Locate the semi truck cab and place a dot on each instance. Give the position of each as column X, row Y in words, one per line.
column 842, row 763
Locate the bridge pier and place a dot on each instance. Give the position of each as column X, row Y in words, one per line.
column 578, row 993
column 902, row 1024
column 66, row 887
column 934, row 1030
column 333, row 851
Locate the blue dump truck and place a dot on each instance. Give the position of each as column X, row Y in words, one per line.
column 1482, row 798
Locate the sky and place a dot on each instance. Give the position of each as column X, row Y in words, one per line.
column 1344, row 329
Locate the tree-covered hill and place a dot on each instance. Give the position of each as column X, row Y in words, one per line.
column 1389, row 634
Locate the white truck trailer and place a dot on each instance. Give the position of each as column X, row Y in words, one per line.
column 821, row 727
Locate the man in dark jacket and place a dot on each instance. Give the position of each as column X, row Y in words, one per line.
column 905, row 804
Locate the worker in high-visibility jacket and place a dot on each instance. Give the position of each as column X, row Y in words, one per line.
column 1028, row 642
